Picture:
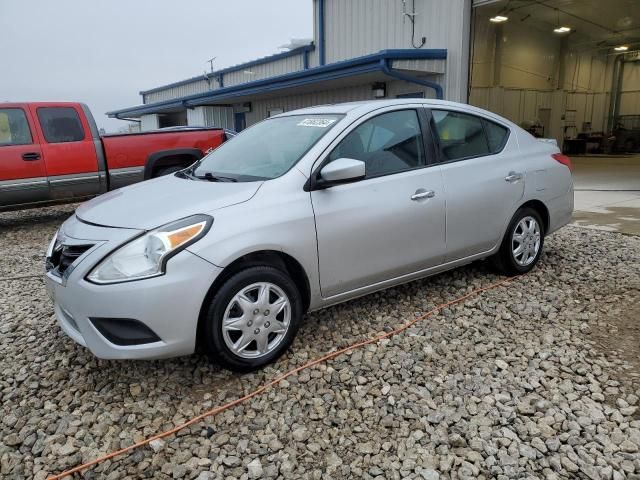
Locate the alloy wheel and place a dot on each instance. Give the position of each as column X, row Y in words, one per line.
column 525, row 241
column 256, row 320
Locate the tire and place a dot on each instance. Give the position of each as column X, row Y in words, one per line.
column 248, row 324
column 167, row 171
column 506, row 260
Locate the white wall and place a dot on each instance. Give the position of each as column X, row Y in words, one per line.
column 255, row 72
column 148, row 122
column 265, row 70
column 261, row 108
column 630, row 98
column 530, row 77
column 219, row 117
column 528, row 57
column 355, row 28
column 191, row 88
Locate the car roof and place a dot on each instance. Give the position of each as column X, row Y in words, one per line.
column 363, row 107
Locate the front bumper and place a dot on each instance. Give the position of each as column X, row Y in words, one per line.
column 169, row 305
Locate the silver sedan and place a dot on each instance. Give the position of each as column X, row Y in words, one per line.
column 301, row 211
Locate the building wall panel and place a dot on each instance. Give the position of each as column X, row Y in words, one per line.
column 256, row 72
column 148, row 122
column 265, row 70
column 199, row 86
column 419, row 65
column 260, row 108
column 520, row 105
column 360, row 27
column 219, row 117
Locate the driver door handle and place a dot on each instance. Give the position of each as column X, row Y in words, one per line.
column 421, row 194
column 30, row 156
column 513, row 177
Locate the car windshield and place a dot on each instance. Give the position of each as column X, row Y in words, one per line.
column 264, row 151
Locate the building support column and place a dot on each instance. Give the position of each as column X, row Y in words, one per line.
column 195, row 117
column 497, row 56
column 149, row 122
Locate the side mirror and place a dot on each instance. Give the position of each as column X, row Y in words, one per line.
column 342, row 170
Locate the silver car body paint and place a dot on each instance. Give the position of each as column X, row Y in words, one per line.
column 350, row 239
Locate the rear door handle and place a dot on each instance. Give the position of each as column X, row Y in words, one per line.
column 422, row 194
column 513, row 177
column 30, row 156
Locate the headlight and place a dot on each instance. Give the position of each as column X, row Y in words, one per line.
column 52, row 245
column 146, row 256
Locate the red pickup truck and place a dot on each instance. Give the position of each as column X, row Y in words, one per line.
column 51, row 152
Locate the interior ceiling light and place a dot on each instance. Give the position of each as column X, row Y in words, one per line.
column 559, row 27
column 498, row 19
column 621, row 48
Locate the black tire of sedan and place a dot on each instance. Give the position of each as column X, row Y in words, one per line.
column 522, row 244
column 253, row 318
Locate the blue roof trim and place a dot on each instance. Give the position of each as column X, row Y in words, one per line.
column 259, row 61
column 345, row 68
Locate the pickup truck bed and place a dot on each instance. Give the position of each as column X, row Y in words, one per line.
column 51, row 152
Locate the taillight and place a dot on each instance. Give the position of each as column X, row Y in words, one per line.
column 563, row 159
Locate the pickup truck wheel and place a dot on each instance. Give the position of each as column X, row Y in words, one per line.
column 253, row 318
column 167, row 171
column 522, row 243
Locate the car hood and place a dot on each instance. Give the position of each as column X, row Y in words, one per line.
column 153, row 203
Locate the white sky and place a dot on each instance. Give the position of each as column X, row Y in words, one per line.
column 103, row 52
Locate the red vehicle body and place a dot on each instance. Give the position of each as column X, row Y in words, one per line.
column 51, row 152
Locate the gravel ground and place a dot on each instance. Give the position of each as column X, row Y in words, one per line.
column 524, row 381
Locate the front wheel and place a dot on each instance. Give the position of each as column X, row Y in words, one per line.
column 522, row 243
column 253, row 318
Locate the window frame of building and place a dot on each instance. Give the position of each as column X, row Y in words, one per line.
column 425, row 142
column 272, row 112
column 411, row 95
column 26, row 122
column 44, row 127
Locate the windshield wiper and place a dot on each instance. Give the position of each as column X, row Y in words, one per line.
column 214, row 178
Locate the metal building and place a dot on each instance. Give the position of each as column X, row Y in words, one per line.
column 362, row 49
column 566, row 69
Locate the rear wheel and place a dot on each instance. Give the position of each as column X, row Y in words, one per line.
column 522, row 244
column 253, row 318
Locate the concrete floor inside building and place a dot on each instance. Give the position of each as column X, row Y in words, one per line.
column 607, row 193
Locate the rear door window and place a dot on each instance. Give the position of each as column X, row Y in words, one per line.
column 60, row 124
column 459, row 135
column 14, row 127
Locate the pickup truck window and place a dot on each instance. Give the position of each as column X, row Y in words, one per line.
column 60, row 124
column 14, row 128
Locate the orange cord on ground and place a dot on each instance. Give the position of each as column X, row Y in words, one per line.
column 277, row 380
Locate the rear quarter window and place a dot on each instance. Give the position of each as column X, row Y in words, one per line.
column 460, row 135
column 497, row 135
column 60, row 124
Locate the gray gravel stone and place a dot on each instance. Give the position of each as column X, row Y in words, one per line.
column 509, row 384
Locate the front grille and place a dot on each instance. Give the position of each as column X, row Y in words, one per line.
column 63, row 257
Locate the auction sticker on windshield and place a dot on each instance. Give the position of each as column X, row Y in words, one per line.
column 317, row 122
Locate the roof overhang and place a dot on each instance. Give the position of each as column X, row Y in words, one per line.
column 374, row 67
